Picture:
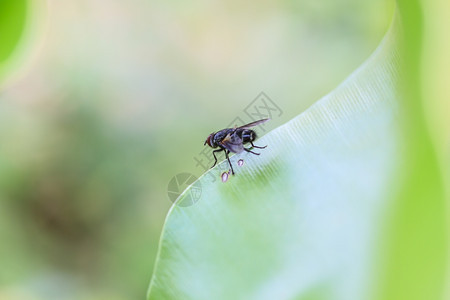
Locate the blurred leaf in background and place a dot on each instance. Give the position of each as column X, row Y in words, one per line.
column 12, row 24
column 416, row 236
column 436, row 93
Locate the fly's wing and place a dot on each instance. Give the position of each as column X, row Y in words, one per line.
column 256, row 123
column 232, row 142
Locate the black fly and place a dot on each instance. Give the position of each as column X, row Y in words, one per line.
column 233, row 140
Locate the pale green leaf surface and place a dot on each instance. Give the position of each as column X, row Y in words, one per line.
column 299, row 221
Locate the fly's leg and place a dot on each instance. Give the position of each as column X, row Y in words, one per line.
column 226, row 154
column 214, row 154
column 257, row 146
column 248, row 150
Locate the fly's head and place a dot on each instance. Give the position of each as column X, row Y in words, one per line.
column 210, row 141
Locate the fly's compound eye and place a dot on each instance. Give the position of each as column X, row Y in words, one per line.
column 209, row 140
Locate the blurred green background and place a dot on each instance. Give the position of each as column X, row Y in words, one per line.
column 103, row 102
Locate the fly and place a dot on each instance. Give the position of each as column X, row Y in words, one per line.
column 233, row 140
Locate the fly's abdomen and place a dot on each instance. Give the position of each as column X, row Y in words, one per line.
column 248, row 136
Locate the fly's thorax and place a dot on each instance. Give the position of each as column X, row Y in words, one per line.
column 219, row 136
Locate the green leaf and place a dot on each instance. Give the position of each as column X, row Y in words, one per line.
column 12, row 23
column 300, row 220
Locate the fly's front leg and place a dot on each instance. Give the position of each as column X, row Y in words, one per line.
column 214, row 154
column 257, row 146
column 226, row 154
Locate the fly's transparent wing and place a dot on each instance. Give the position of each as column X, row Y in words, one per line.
column 256, row 123
column 233, row 143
